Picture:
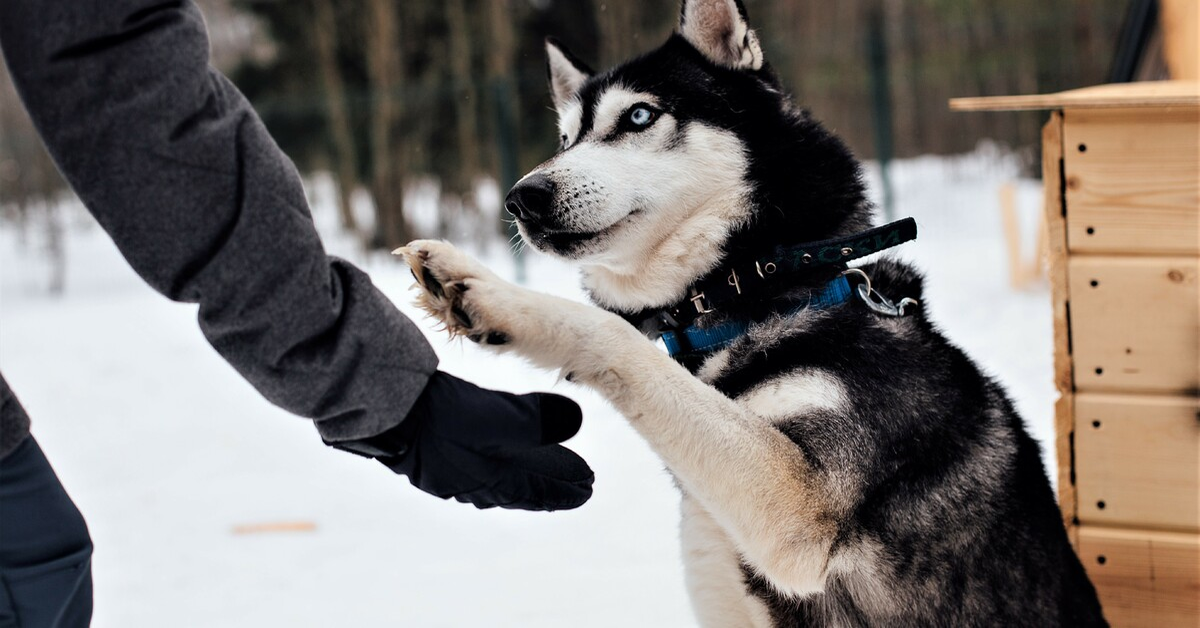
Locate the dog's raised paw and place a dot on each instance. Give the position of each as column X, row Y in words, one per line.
column 444, row 276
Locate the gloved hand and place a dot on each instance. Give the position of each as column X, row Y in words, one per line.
column 487, row 448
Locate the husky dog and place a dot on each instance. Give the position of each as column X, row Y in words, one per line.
column 841, row 462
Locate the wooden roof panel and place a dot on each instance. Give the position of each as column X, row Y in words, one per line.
column 1143, row 94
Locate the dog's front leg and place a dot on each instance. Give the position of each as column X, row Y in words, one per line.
column 713, row 571
column 752, row 480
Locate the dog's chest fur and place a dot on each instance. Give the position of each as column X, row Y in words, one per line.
column 934, row 483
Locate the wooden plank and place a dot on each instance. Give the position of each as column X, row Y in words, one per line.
column 1012, row 234
column 1133, row 180
column 1056, row 248
column 1135, row 323
column 1137, row 460
column 1181, row 21
column 1145, row 579
column 1144, row 94
column 271, row 527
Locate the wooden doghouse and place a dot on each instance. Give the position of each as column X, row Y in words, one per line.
column 1121, row 166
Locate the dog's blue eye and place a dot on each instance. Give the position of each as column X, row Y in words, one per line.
column 641, row 116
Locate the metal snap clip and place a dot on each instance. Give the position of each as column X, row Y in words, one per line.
column 860, row 273
column 876, row 301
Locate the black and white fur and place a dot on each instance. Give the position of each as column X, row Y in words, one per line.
column 838, row 467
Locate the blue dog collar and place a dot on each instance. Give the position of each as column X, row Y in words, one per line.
column 694, row 339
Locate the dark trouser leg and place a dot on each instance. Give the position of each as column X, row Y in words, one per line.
column 45, row 550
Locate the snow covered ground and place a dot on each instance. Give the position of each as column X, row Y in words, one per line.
column 166, row 450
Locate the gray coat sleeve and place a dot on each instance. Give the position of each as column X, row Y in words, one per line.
column 181, row 173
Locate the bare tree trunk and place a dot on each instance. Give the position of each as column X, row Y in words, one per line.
column 619, row 23
column 1025, row 75
column 346, row 163
column 505, row 102
column 904, row 88
column 45, row 183
column 501, row 73
column 384, row 67
column 56, row 248
column 17, row 160
column 466, row 96
column 502, row 58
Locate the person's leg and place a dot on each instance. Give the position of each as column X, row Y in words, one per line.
column 45, row 549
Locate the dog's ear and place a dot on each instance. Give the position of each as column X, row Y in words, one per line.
column 720, row 31
column 567, row 73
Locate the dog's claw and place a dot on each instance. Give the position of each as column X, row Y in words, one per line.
column 431, row 283
column 460, row 315
column 414, row 257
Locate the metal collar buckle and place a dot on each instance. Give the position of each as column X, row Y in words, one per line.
column 697, row 300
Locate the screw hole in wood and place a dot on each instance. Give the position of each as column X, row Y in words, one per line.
column 1093, row 283
column 1083, row 148
column 1100, row 504
column 1091, row 230
column 1101, row 559
column 1099, row 370
column 1096, row 424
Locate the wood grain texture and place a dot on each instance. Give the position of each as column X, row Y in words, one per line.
column 1181, row 23
column 1056, row 247
column 1145, row 579
column 1133, row 180
column 1144, row 94
column 1137, row 460
column 1135, row 323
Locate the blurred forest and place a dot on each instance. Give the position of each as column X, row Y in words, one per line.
column 450, row 95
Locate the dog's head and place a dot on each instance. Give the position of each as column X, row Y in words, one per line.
column 667, row 158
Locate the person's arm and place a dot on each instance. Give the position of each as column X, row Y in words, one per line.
column 178, row 169
column 181, row 173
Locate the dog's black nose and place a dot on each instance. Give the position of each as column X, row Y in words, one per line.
column 530, row 200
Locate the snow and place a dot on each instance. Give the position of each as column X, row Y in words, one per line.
column 166, row 450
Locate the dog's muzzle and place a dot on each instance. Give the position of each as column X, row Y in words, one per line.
column 531, row 200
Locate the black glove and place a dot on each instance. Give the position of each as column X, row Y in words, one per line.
column 486, row 448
